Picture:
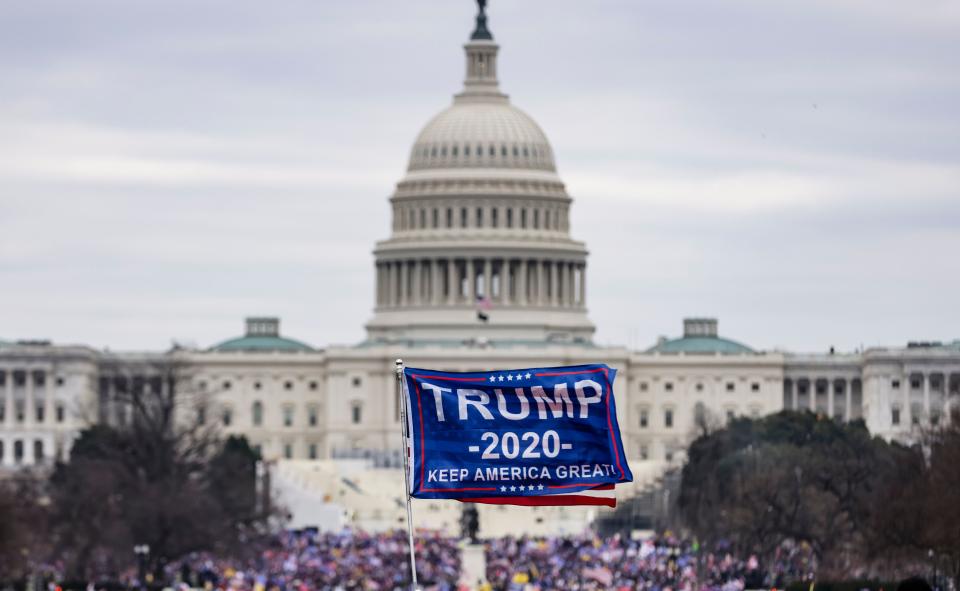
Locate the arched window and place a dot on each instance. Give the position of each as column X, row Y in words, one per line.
column 257, row 413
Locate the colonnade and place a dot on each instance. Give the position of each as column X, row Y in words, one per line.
column 27, row 405
column 924, row 396
column 847, row 391
column 454, row 281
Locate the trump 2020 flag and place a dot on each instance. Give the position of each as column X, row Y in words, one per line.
column 539, row 436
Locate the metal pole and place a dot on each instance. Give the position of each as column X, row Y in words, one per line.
column 404, row 434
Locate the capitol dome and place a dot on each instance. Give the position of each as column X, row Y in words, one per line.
column 480, row 246
column 490, row 133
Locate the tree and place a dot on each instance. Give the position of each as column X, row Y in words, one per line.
column 789, row 476
column 160, row 476
column 918, row 515
column 22, row 521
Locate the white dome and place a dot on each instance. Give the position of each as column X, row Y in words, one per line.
column 491, row 134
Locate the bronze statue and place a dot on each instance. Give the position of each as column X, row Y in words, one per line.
column 481, row 31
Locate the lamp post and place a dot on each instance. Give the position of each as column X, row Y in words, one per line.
column 142, row 551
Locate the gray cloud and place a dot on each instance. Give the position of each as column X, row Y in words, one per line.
column 792, row 167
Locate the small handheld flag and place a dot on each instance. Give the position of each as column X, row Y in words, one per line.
column 538, row 436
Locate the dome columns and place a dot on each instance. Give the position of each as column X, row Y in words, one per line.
column 464, row 281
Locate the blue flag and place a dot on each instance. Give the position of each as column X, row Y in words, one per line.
column 538, row 436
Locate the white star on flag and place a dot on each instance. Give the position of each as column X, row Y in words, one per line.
column 528, row 376
column 493, row 378
column 540, row 487
column 509, row 378
column 521, row 488
column 504, row 489
column 501, row 378
column 513, row 488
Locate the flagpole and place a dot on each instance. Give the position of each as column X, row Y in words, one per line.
column 406, row 469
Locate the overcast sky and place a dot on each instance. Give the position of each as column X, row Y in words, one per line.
column 791, row 167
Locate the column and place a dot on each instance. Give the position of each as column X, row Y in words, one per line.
column 506, row 283
column 471, row 283
column 48, row 417
column 583, row 285
column 907, row 407
column 554, row 282
column 435, row 284
column 522, row 282
column 451, row 275
column 417, row 295
column 380, row 286
column 812, row 393
column 563, row 292
column 794, row 386
column 541, row 282
column 29, row 402
column 8, row 410
column 926, row 395
column 488, row 279
column 572, row 283
column 848, row 412
column 404, row 277
column 831, row 386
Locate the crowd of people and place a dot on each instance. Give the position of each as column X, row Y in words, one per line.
column 654, row 564
column 354, row 561
column 358, row 561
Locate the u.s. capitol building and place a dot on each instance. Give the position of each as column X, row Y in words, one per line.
column 480, row 272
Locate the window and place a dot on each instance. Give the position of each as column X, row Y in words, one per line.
column 668, row 418
column 730, row 387
column 523, row 218
column 257, row 385
column 357, row 382
column 287, row 416
column 494, row 217
column 449, row 217
column 59, row 381
column 699, row 387
column 644, row 418
column 755, row 387
column 313, row 385
column 61, row 413
column 201, row 415
column 257, row 413
column 730, row 415
column 202, row 386
column 287, row 451
column 479, row 217
column 312, row 451
column 536, row 219
column 509, row 218
column 895, row 384
column 288, row 385
column 312, row 416
column 39, row 414
column 668, row 386
column 226, row 385
column 700, row 414
column 18, row 451
column 463, row 217
column 644, row 452
column 21, row 414
column 436, row 217
column 895, row 415
column 668, row 456
column 455, row 151
column 915, row 384
column 643, row 386
column 423, row 215
column 356, row 413
column 227, row 417
column 38, row 451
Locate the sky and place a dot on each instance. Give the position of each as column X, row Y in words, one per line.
column 792, row 168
